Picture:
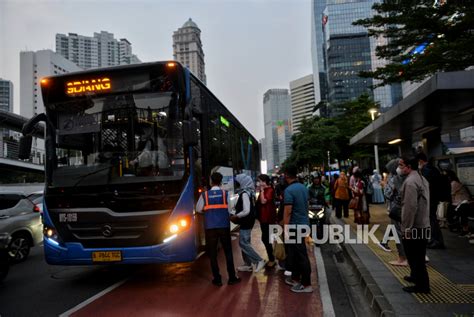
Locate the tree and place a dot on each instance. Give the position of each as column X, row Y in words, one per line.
column 422, row 37
column 319, row 135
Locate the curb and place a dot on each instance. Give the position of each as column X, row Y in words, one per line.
column 378, row 302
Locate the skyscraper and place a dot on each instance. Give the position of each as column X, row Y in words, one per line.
column 302, row 100
column 317, row 50
column 101, row 50
column 33, row 67
column 187, row 49
column 347, row 50
column 276, row 115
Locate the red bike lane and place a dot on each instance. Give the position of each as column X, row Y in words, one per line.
column 185, row 290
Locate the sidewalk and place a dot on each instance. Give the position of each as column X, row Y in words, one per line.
column 451, row 274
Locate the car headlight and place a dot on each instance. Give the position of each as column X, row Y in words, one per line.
column 321, row 213
column 311, row 214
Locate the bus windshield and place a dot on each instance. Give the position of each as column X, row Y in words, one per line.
column 117, row 139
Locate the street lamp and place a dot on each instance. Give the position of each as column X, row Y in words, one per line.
column 376, row 149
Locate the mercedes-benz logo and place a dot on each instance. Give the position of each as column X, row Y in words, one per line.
column 107, row 231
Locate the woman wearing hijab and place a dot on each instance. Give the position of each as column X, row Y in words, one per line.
column 377, row 195
column 245, row 217
column 341, row 195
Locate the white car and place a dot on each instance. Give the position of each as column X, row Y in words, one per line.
column 20, row 218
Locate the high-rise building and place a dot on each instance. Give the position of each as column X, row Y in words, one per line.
column 33, row 67
column 276, row 115
column 6, row 95
column 6, row 103
column 348, row 50
column 302, row 100
column 317, row 50
column 101, row 50
column 187, row 49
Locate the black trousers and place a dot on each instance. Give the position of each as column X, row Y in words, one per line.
column 265, row 227
column 213, row 236
column 297, row 261
column 341, row 204
column 415, row 250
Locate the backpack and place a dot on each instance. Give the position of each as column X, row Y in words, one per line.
column 369, row 188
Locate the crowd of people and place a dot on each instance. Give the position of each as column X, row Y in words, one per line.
column 285, row 202
column 415, row 192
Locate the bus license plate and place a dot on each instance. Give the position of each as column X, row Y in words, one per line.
column 107, row 256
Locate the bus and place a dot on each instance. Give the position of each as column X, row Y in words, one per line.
column 129, row 149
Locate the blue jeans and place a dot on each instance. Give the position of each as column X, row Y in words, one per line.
column 248, row 253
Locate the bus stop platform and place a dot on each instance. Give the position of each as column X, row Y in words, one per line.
column 450, row 270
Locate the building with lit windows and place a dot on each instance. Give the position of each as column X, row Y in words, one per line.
column 187, row 49
column 348, row 50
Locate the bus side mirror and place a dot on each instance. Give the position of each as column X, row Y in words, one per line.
column 25, row 147
column 190, row 129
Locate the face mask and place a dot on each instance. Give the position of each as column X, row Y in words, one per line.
column 399, row 171
column 420, row 166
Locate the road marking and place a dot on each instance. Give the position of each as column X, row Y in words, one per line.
column 93, row 298
column 328, row 308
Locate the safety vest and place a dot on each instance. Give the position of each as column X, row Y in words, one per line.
column 216, row 214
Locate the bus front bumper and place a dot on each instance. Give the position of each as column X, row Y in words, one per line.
column 181, row 249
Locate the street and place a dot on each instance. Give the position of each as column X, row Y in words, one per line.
column 34, row 288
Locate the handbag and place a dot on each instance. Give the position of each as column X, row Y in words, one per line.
column 279, row 250
column 442, row 210
column 354, row 203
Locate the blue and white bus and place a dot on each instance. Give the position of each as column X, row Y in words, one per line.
column 128, row 150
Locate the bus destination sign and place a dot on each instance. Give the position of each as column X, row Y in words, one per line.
column 88, row 85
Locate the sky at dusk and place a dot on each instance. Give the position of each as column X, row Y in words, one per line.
column 249, row 46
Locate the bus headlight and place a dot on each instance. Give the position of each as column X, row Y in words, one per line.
column 176, row 227
column 51, row 235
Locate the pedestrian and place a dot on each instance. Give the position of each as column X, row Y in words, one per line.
column 332, row 189
column 341, row 195
column 296, row 214
column 267, row 216
column 435, row 181
column 214, row 204
column 377, row 194
column 361, row 211
column 318, row 192
column 245, row 212
column 392, row 192
column 460, row 203
column 415, row 224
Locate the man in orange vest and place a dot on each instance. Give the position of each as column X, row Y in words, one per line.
column 214, row 204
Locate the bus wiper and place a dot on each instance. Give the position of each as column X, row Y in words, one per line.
column 82, row 177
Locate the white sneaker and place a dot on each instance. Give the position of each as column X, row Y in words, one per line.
column 244, row 268
column 260, row 265
column 287, row 273
column 299, row 288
